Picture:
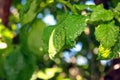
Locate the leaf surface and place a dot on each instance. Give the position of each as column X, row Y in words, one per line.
column 30, row 13
column 107, row 34
column 35, row 42
column 65, row 33
column 100, row 14
column 104, row 53
column 19, row 67
column 116, row 49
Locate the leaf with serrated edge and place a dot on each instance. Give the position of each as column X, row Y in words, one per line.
column 116, row 49
column 106, row 34
column 74, row 26
column 98, row 14
column 65, row 33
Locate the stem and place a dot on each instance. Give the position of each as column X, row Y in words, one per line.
column 68, row 5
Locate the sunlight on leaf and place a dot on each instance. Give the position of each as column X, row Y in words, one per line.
column 6, row 36
column 46, row 36
column 65, row 33
column 5, row 32
column 104, row 53
column 50, row 1
column 51, row 50
column 3, row 45
column 49, row 73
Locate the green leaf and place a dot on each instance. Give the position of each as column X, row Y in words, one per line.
column 100, row 14
column 24, row 37
column 46, row 36
column 35, row 42
column 65, row 33
column 26, row 16
column 118, row 7
column 110, row 53
column 115, row 2
column 25, row 8
column 6, row 35
column 81, row 7
column 104, row 53
column 107, row 34
column 19, row 67
column 2, row 59
column 116, row 49
column 48, row 73
column 56, row 41
column 74, row 26
column 117, row 12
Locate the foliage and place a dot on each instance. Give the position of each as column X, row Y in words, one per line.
column 65, row 33
column 39, row 54
column 100, row 11
column 17, row 65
